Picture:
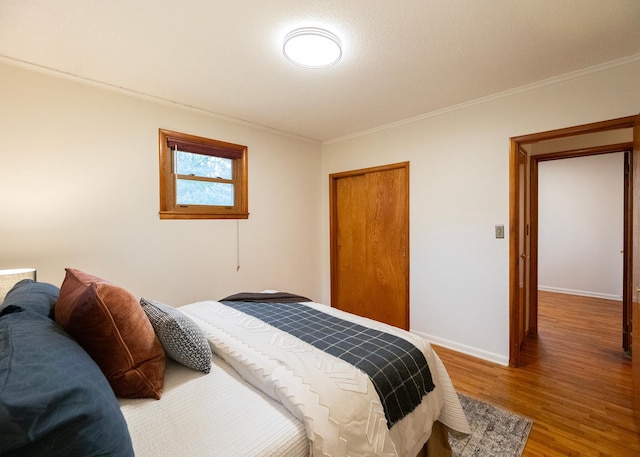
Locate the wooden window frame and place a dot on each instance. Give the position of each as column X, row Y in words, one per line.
column 169, row 209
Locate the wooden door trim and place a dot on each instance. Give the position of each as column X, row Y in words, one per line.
column 364, row 171
column 514, row 254
column 583, row 152
column 533, row 247
column 627, row 252
column 634, row 266
column 333, row 179
column 595, row 127
column 514, row 219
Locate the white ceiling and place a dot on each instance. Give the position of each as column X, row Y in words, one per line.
column 401, row 58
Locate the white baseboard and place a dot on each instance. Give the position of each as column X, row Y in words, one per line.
column 498, row 358
column 475, row 352
column 582, row 293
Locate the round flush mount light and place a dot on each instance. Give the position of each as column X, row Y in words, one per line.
column 312, row 47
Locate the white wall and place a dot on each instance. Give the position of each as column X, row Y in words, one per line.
column 79, row 188
column 580, row 232
column 460, row 191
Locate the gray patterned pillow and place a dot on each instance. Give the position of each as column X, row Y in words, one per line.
column 182, row 339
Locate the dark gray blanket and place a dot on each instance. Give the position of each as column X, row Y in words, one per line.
column 266, row 297
column 397, row 369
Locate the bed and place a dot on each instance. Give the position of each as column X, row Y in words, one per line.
column 216, row 378
column 214, row 414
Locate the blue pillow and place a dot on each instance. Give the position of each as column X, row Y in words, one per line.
column 54, row 400
column 34, row 296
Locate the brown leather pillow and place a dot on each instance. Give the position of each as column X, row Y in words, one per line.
column 109, row 323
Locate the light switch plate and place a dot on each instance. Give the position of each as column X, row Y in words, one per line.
column 499, row 231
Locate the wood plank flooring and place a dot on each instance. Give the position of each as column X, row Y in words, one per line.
column 575, row 380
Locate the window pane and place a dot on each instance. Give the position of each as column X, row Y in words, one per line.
column 203, row 165
column 190, row 192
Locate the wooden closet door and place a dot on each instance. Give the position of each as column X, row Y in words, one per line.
column 370, row 243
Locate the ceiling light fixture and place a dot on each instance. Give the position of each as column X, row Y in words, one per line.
column 312, row 47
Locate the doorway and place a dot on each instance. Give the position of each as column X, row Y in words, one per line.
column 523, row 252
column 581, row 204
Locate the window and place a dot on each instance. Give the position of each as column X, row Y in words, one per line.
column 202, row 178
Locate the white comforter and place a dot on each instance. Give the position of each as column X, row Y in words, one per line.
column 337, row 403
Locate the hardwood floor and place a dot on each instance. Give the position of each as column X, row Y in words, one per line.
column 575, row 382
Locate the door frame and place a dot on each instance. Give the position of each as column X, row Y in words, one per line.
column 515, row 317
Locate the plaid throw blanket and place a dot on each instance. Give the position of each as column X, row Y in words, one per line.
column 398, row 370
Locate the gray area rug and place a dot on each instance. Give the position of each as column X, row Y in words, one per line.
column 494, row 431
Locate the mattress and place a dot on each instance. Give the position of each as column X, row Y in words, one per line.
column 214, row 414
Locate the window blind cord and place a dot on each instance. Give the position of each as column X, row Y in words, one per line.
column 237, row 245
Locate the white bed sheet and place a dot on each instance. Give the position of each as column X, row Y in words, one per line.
column 216, row 414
